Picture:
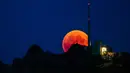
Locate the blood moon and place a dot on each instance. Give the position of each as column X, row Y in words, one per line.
column 73, row 37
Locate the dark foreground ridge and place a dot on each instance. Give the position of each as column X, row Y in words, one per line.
column 76, row 60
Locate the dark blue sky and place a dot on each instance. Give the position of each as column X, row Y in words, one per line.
column 45, row 22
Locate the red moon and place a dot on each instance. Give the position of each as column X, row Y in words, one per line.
column 73, row 37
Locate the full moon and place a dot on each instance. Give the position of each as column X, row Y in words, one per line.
column 73, row 37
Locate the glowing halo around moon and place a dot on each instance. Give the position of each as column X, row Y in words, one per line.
column 73, row 37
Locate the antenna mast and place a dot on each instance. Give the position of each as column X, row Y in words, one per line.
column 89, row 35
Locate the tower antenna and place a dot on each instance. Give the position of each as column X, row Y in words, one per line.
column 89, row 26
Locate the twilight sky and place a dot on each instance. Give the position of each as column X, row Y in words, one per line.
column 45, row 22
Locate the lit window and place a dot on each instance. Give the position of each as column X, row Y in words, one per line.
column 104, row 49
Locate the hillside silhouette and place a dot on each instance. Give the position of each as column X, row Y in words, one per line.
column 78, row 59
